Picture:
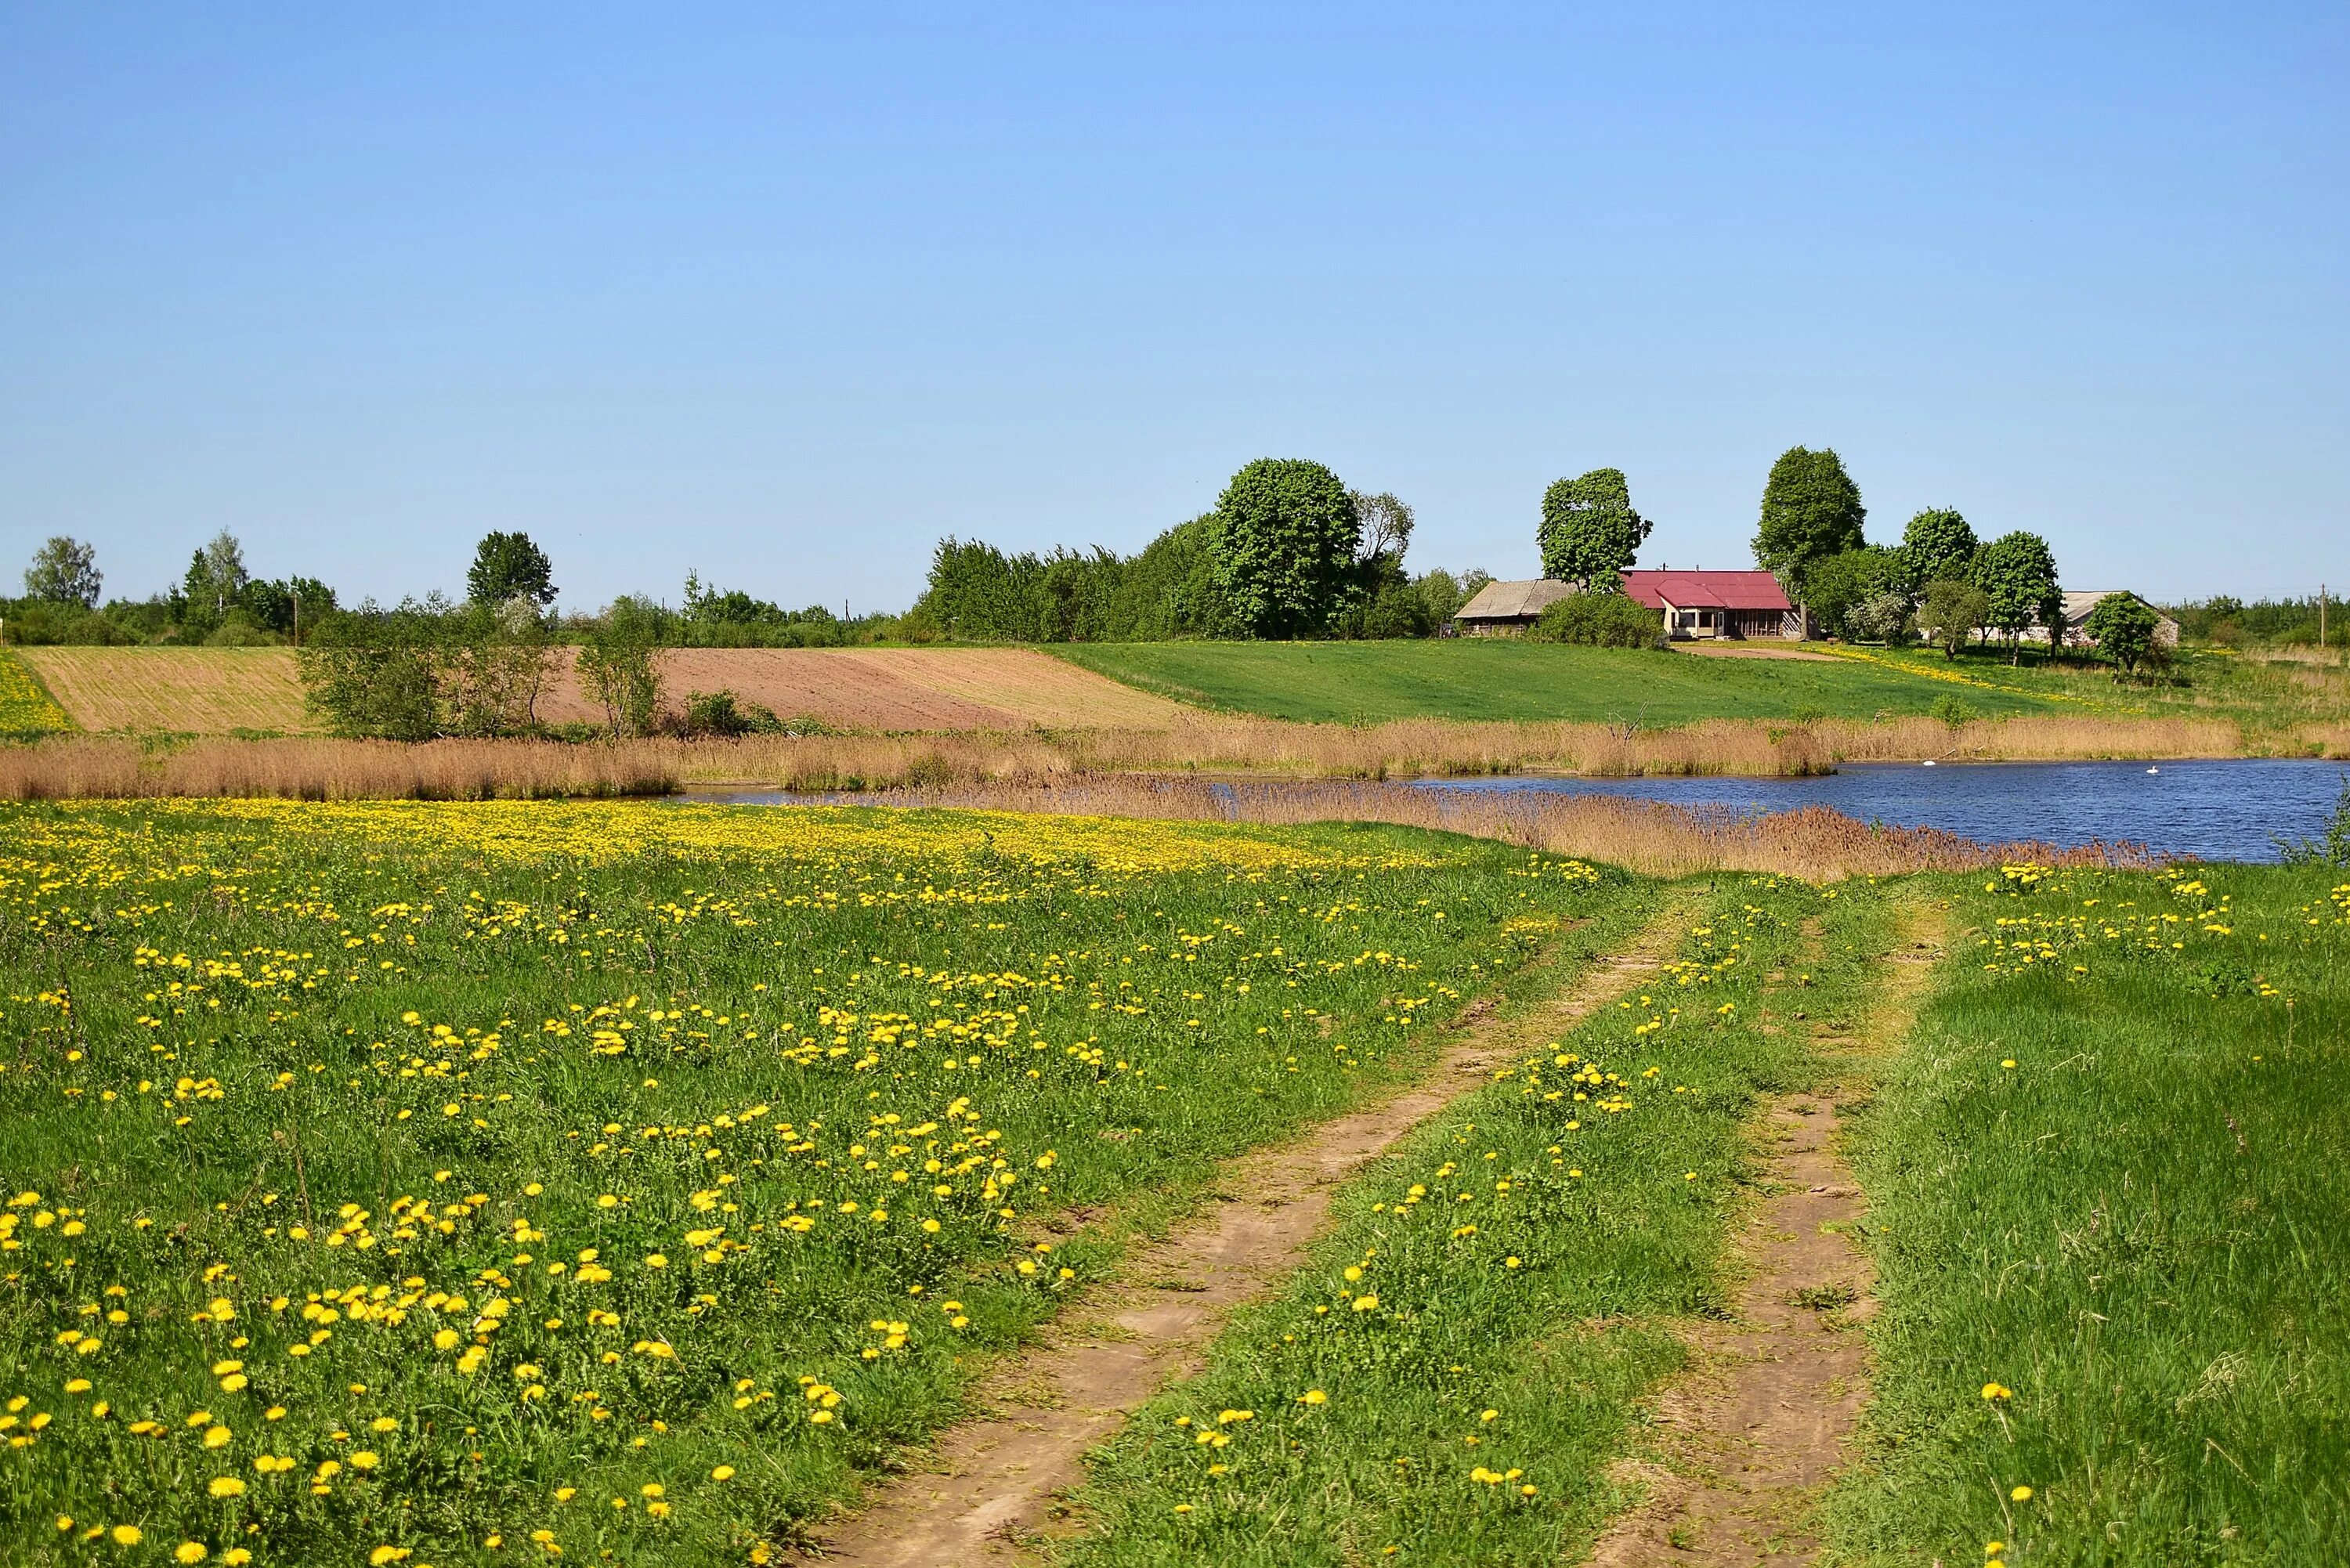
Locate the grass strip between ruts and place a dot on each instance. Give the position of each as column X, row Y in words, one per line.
column 1449, row 1378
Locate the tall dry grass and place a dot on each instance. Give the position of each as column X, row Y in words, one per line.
column 1814, row 842
column 473, row 770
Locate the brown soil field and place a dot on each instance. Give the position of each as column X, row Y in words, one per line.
column 187, row 691
column 892, row 688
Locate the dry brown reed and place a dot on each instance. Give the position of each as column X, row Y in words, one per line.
column 469, row 769
column 1812, row 842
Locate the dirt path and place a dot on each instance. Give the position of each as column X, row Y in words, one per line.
column 989, row 1481
column 1753, row 1435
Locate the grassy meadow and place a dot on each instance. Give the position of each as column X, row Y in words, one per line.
column 1505, row 679
column 495, row 1182
column 2111, row 1229
column 1450, row 1378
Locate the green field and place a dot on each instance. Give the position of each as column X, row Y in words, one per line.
column 491, row 1183
column 1500, row 678
column 628, row 1178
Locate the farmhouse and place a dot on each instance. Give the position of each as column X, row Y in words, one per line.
column 1506, row 609
column 1717, row 604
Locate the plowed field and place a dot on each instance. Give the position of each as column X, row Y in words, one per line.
column 215, row 690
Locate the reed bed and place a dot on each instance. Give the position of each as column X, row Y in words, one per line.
column 1813, row 842
column 317, row 768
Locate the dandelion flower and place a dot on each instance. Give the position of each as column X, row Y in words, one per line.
column 1313, row 1397
column 191, row 1552
column 127, row 1534
column 724, row 1472
column 2020, row 1494
column 226, row 1486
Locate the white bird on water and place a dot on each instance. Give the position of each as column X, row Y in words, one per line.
column 2154, row 769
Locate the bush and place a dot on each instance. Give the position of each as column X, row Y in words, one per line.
column 1600, row 620
column 721, row 713
column 1879, row 618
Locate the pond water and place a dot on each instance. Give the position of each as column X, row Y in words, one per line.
column 2221, row 810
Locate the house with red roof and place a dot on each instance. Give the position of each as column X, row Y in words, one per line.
column 1717, row 604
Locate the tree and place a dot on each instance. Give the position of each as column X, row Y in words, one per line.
column 2017, row 572
column 506, row 567
column 616, row 666
column 1938, row 546
column 1811, row 511
column 1387, row 524
column 1842, row 582
column 1880, row 617
column 2124, row 627
column 216, row 576
column 373, row 673
column 1951, row 612
column 1589, row 533
column 1285, row 536
column 65, row 571
column 491, row 668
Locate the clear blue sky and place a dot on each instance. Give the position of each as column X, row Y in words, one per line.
column 785, row 293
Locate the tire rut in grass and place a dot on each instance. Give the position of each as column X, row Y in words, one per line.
column 988, row 1483
column 1751, row 1436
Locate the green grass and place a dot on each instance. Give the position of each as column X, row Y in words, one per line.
column 26, row 709
column 1471, row 1414
column 323, row 1121
column 2109, row 1180
column 1497, row 678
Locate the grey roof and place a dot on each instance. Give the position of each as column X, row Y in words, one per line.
column 1511, row 601
column 2079, row 602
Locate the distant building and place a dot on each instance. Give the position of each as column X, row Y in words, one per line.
column 2079, row 602
column 1506, row 609
column 1717, row 604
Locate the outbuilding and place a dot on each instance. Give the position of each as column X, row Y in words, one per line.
column 1717, row 604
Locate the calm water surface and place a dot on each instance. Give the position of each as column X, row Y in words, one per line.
column 2226, row 810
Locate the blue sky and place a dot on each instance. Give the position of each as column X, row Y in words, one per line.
column 785, row 293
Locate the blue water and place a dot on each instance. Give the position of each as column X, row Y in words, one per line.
column 2227, row 810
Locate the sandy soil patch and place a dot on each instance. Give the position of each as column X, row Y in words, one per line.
column 890, row 688
column 187, row 691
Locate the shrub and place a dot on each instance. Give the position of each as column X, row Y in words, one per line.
column 721, row 713
column 1600, row 620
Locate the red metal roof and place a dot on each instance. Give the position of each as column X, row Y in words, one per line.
column 1706, row 590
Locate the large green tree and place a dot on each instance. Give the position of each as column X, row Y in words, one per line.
column 2124, row 627
column 1811, row 511
column 1589, row 533
column 65, row 571
column 507, row 566
column 1938, row 546
column 1286, row 537
column 2017, row 572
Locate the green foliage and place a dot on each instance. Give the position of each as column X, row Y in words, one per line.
column 2235, row 623
column 2332, row 849
column 216, row 576
column 1387, row 524
column 1811, row 511
column 507, row 566
column 1886, row 617
column 616, row 664
column 1284, row 540
column 1937, row 546
column 1589, row 533
column 2124, row 628
column 1600, row 620
column 34, row 623
column 64, row 572
column 1955, row 710
column 1842, row 582
column 374, row 673
column 723, row 714
column 1951, row 613
column 2017, row 572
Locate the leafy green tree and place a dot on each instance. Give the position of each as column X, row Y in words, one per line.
column 616, row 666
column 1951, row 613
column 2018, row 573
column 1286, row 537
column 1600, row 621
column 1884, row 616
column 64, row 572
column 1843, row 582
column 1386, row 524
column 1589, row 533
column 1938, row 546
column 216, row 576
column 1811, row 511
column 2124, row 627
column 492, row 666
column 374, row 672
column 507, row 566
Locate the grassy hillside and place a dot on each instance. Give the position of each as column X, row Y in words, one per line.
column 1497, row 678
